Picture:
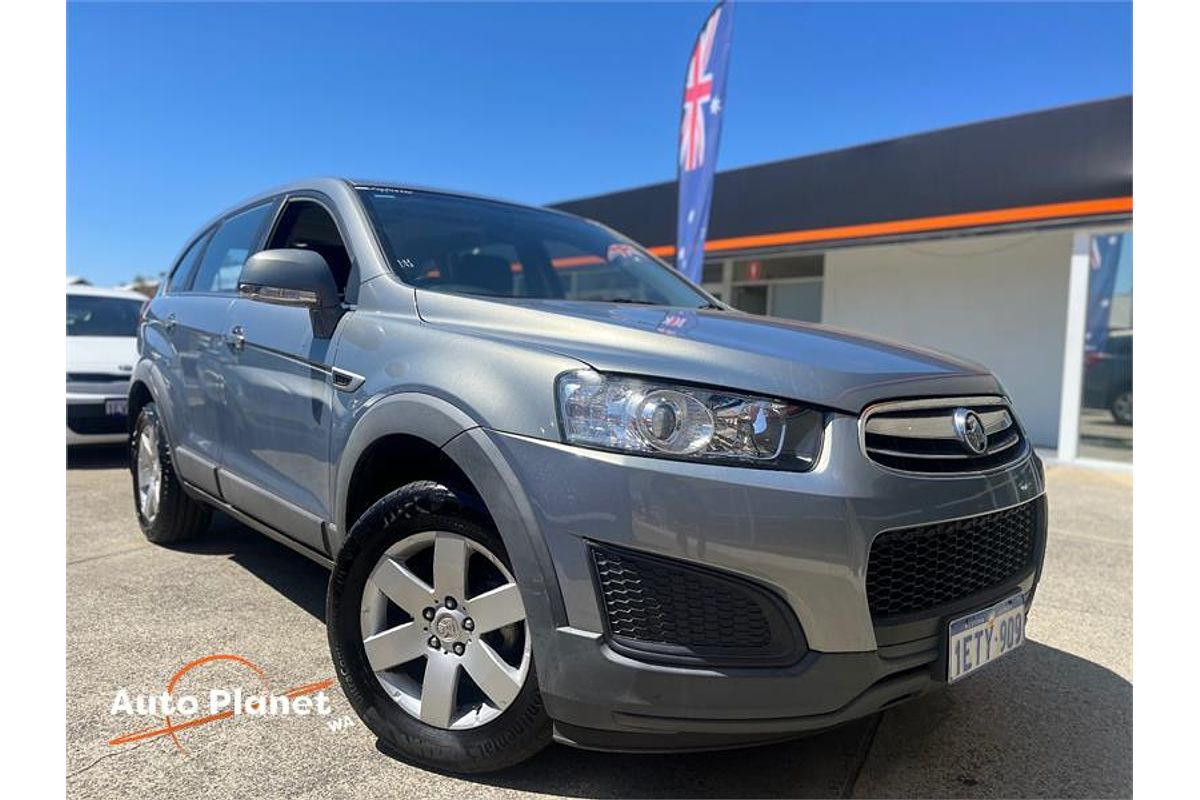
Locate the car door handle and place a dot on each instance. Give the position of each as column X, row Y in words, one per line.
column 170, row 322
column 237, row 338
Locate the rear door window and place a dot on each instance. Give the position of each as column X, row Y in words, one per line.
column 231, row 245
column 183, row 269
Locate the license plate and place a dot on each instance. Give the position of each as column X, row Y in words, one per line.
column 985, row 636
column 116, row 407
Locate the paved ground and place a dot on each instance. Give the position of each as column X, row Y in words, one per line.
column 1054, row 719
column 1100, row 436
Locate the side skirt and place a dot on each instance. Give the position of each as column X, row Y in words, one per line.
column 258, row 525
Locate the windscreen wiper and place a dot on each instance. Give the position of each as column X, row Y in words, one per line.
column 629, row 300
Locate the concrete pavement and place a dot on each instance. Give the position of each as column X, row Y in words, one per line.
column 1054, row 719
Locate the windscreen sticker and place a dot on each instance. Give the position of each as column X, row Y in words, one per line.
column 618, row 251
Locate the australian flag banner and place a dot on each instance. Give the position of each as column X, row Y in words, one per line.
column 1104, row 254
column 699, row 135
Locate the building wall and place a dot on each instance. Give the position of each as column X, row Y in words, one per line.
column 1000, row 300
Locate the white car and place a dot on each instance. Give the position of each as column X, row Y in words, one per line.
column 101, row 351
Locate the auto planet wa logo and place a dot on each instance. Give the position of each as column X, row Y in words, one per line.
column 178, row 710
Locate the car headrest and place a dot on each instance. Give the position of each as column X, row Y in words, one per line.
column 492, row 274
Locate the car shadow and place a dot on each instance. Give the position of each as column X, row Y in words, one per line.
column 297, row 578
column 1067, row 736
column 1045, row 723
column 98, row 456
column 817, row 765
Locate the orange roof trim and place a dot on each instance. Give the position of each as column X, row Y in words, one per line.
column 970, row 219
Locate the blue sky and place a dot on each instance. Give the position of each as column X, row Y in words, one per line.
column 176, row 111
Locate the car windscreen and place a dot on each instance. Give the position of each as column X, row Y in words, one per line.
column 480, row 247
column 92, row 315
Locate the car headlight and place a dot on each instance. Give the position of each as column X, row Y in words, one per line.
column 647, row 417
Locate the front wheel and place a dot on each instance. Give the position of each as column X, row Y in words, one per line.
column 429, row 638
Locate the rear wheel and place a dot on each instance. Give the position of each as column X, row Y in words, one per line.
column 165, row 512
column 429, row 638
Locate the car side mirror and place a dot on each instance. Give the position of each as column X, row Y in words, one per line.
column 294, row 277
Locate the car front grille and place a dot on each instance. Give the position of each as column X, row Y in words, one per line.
column 926, row 435
column 668, row 610
column 912, row 570
column 91, row 419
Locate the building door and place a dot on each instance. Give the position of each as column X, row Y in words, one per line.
column 1106, row 385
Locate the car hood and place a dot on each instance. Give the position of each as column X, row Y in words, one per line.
column 779, row 358
column 115, row 354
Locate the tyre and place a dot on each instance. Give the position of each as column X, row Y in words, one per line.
column 428, row 634
column 166, row 513
column 1121, row 407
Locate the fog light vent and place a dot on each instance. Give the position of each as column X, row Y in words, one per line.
column 668, row 610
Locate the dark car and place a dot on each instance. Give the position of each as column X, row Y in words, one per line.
column 1108, row 377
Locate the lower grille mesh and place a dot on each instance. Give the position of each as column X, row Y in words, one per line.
column 916, row 569
column 686, row 609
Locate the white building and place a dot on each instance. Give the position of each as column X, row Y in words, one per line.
column 973, row 240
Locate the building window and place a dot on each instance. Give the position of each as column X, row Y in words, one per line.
column 751, row 299
column 805, row 265
column 797, row 300
column 714, row 272
column 783, row 286
column 712, row 279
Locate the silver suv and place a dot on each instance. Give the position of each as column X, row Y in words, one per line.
column 564, row 493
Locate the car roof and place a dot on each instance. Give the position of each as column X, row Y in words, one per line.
column 328, row 184
column 100, row 291
column 414, row 187
column 337, row 186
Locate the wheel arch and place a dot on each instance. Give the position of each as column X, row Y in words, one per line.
column 449, row 441
column 147, row 386
column 408, row 419
column 139, row 397
column 394, row 460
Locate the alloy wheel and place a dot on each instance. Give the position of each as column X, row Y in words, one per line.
column 149, row 473
column 443, row 627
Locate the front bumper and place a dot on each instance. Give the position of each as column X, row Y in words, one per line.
column 805, row 536
column 88, row 422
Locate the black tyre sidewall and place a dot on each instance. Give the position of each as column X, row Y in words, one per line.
column 517, row 734
column 179, row 516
